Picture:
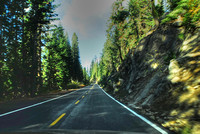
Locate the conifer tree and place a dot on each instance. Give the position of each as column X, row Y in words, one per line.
column 57, row 60
column 77, row 68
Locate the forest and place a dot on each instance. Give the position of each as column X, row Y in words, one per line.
column 128, row 25
column 150, row 59
column 35, row 56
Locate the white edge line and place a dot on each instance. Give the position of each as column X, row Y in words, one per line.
column 140, row 116
column 14, row 111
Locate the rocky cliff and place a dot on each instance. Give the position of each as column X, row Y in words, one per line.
column 161, row 78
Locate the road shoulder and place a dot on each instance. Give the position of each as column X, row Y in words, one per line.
column 11, row 105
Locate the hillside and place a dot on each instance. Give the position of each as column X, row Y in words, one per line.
column 160, row 78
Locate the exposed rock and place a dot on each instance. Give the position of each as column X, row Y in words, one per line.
column 163, row 75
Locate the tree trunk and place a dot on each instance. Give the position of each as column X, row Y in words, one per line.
column 39, row 71
column 155, row 14
column 34, row 65
column 24, row 66
column 136, row 29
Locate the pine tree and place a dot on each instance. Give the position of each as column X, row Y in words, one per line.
column 57, row 60
column 40, row 16
column 77, row 69
column 69, row 58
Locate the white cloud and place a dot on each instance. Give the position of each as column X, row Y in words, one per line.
column 86, row 17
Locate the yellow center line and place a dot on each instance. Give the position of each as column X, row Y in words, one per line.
column 77, row 102
column 53, row 123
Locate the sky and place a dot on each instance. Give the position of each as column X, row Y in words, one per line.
column 88, row 19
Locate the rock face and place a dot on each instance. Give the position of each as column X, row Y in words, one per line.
column 148, row 69
column 163, row 74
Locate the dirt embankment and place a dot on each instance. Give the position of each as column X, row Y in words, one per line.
column 161, row 78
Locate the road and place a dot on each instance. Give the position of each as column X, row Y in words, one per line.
column 89, row 109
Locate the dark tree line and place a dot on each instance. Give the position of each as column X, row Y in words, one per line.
column 25, row 32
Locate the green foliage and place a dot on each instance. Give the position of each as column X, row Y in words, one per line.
column 21, row 35
column 186, row 10
column 73, row 85
column 57, row 56
column 187, row 130
column 173, row 4
column 169, row 57
column 86, row 77
column 77, row 68
column 159, row 9
column 32, row 59
column 181, row 36
column 61, row 61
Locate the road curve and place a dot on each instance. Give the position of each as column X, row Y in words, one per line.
column 88, row 109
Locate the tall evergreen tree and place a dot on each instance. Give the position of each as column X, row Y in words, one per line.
column 57, row 62
column 69, row 58
column 40, row 16
column 77, row 68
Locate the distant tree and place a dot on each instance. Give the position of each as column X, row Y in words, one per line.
column 77, row 68
column 69, row 58
column 85, row 76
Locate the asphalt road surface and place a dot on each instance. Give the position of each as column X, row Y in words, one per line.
column 86, row 110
